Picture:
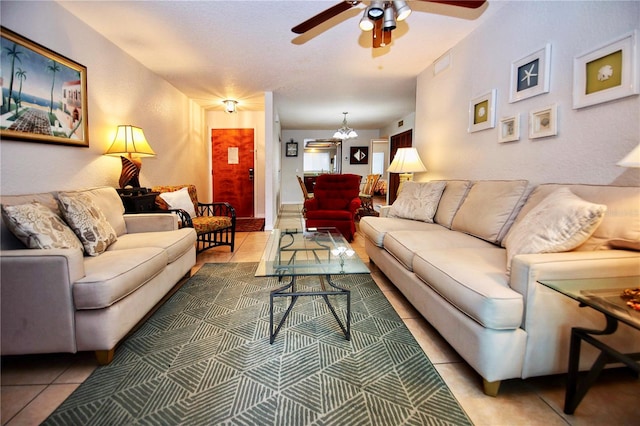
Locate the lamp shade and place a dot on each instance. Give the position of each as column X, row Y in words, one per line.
column 406, row 160
column 130, row 140
column 632, row 159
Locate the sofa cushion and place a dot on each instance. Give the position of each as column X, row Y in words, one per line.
column 404, row 244
column 474, row 281
column 87, row 221
column 38, row 227
column 115, row 274
column 620, row 227
column 560, row 222
column 175, row 243
column 375, row 228
column 418, row 200
column 450, row 202
column 8, row 241
column 179, row 200
column 489, row 209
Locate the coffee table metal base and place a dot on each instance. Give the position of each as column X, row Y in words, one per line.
column 289, row 290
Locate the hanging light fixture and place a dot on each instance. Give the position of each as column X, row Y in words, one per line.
column 381, row 17
column 345, row 132
column 230, row 105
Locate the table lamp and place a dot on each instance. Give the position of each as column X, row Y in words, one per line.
column 406, row 162
column 130, row 140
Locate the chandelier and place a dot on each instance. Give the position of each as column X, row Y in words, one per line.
column 381, row 17
column 345, row 132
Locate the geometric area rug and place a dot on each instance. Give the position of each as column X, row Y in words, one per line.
column 204, row 358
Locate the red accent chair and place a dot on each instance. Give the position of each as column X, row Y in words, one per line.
column 334, row 204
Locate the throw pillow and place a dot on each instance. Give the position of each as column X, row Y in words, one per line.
column 179, row 199
column 560, row 222
column 418, row 200
column 87, row 221
column 38, row 227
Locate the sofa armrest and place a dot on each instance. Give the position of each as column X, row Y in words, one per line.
column 38, row 313
column 150, row 222
column 527, row 269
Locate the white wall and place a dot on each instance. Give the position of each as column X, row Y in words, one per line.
column 292, row 166
column 408, row 122
column 121, row 91
column 589, row 142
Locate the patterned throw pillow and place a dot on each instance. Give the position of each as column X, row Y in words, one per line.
column 38, row 227
column 560, row 222
column 418, row 200
column 87, row 221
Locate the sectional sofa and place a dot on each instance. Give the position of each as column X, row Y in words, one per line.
column 63, row 297
column 468, row 256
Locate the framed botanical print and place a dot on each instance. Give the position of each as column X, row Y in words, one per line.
column 482, row 112
column 292, row 149
column 607, row 73
column 530, row 75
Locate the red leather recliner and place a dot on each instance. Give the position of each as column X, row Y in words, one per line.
column 334, row 204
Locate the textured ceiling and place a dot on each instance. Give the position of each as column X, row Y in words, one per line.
column 214, row 50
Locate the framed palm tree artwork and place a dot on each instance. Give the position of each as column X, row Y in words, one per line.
column 44, row 94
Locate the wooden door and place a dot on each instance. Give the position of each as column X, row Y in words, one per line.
column 232, row 152
column 401, row 140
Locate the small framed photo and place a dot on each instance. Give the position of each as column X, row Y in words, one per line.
column 292, row 149
column 530, row 75
column 482, row 112
column 509, row 129
column 606, row 73
column 543, row 122
column 359, row 155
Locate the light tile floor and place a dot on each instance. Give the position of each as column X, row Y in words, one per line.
column 33, row 386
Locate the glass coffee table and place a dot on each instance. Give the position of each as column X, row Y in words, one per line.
column 604, row 295
column 320, row 252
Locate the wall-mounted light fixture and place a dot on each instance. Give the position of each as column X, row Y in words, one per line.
column 230, row 105
column 130, row 141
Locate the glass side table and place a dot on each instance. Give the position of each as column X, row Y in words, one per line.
column 604, row 295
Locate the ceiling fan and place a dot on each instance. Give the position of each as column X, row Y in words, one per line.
column 379, row 17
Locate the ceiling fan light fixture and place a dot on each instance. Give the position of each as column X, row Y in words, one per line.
column 389, row 23
column 402, row 10
column 366, row 24
column 376, row 10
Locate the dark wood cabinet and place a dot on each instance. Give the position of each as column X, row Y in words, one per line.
column 138, row 203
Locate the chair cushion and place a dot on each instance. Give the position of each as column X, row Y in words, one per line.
column 205, row 224
column 179, row 200
column 87, row 221
column 38, row 227
column 162, row 205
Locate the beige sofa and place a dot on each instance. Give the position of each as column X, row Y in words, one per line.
column 59, row 300
column 504, row 323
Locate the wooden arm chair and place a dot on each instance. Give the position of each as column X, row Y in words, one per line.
column 366, row 196
column 214, row 223
column 334, row 204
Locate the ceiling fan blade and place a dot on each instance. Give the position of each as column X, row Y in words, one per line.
column 470, row 4
column 323, row 16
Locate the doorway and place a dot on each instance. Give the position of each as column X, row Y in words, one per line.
column 401, row 140
column 232, row 162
